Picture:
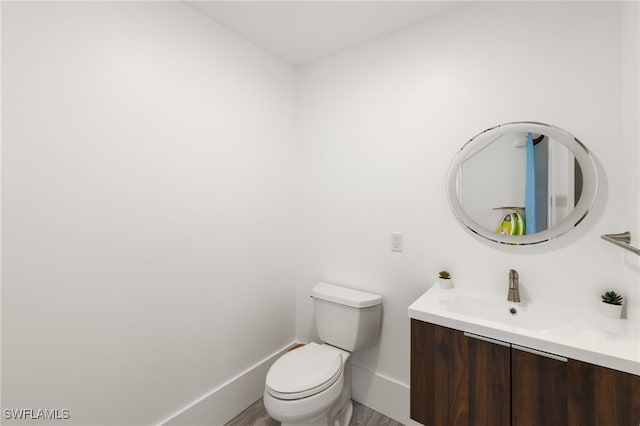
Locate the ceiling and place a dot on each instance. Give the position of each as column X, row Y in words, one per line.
column 301, row 32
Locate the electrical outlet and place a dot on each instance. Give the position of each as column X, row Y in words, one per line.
column 396, row 241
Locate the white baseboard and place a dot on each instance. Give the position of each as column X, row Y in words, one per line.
column 226, row 401
column 384, row 394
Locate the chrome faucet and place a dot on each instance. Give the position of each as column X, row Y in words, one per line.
column 514, row 290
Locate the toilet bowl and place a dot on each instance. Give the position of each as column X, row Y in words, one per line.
column 307, row 386
column 311, row 385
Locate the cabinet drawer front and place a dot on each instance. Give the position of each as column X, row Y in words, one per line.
column 538, row 390
column 457, row 380
column 489, row 383
column 439, row 375
column 599, row 396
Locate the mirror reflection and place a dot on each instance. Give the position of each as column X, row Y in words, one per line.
column 493, row 183
column 522, row 183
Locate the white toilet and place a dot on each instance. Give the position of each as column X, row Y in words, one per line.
column 312, row 385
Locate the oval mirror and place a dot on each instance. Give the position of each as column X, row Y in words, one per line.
column 522, row 183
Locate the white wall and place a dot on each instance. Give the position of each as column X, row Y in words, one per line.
column 146, row 169
column 379, row 125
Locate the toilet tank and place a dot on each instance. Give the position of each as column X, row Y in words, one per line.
column 346, row 318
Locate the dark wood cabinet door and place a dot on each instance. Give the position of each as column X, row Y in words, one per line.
column 439, row 375
column 538, row 390
column 599, row 396
column 457, row 380
column 489, row 383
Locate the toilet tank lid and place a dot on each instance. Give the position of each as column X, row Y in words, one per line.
column 345, row 296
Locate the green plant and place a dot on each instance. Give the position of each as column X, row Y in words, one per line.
column 612, row 298
column 445, row 275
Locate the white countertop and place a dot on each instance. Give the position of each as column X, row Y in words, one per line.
column 588, row 336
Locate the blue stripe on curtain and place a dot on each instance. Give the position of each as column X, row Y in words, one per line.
column 530, row 190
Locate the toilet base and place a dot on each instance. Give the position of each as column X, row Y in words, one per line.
column 339, row 414
column 342, row 419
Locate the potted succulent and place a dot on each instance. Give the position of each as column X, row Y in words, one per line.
column 444, row 279
column 611, row 304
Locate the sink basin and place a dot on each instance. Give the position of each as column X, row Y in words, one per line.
column 562, row 330
column 533, row 316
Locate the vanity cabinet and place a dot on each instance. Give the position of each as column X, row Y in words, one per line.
column 457, row 380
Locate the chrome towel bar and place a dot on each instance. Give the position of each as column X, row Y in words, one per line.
column 623, row 240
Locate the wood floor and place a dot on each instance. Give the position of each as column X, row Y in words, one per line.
column 256, row 415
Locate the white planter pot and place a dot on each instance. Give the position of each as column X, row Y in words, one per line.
column 445, row 283
column 611, row 311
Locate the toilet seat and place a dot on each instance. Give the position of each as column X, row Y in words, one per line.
column 304, row 372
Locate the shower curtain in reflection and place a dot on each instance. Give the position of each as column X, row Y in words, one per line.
column 530, row 189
